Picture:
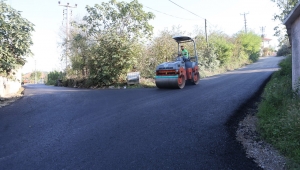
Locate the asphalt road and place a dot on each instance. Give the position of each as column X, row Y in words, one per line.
column 66, row 128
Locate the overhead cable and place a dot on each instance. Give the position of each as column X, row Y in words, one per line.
column 186, row 9
column 167, row 14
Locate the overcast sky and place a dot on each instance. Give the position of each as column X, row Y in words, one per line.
column 224, row 15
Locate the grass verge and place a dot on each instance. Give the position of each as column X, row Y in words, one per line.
column 279, row 114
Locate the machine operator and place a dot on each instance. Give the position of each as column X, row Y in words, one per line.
column 184, row 53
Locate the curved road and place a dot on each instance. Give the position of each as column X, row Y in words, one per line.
column 65, row 128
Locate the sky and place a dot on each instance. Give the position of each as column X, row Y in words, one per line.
column 222, row 15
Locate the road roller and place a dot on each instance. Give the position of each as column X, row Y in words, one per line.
column 177, row 73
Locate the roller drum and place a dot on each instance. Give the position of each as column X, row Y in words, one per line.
column 169, row 82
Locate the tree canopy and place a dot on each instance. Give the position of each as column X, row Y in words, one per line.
column 15, row 38
column 107, row 42
column 285, row 7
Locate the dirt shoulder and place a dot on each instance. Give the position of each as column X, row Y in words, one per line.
column 4, row 101
column 266, row 156
column 243, row 127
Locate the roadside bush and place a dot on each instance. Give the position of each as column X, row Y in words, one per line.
column 254, row 57
column 284, row 50
column 222, row 47
column 279, row 113
column 208, row 59
column 53, row 76
column 267, row 51
column 107, row 42
column 162, row 49
column 251, row 43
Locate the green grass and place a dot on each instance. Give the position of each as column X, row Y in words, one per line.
column 279, row 114
column 144, row 83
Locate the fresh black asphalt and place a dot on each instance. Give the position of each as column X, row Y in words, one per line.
column 69, row 128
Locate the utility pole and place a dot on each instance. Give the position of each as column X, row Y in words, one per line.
column 206, row 32
column 66, row 17
column 262, row 40
column 245, row 21
column 262, row 31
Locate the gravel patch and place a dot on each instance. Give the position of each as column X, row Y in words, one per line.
column 266, row 156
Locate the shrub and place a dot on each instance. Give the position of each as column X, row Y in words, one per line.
column 284, row 50
column 222, row 48
column 53, row 76
column 250, row 44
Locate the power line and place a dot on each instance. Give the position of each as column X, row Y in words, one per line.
column 168, row 14
column 205, row 21
column 192, row 13
column 186, row 9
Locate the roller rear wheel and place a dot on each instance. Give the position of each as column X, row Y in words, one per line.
column 196, row 78
column 181, row 82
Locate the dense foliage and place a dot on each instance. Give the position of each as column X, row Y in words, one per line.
column 223, row 47
column 52, row 77
column 284, row 50
column 35, row 76
column 285, row 7
column 108, row 41
column 15, row 38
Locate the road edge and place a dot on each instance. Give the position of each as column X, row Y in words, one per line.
column 242, row 127
column 5, row 101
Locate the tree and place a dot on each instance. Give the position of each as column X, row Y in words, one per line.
column 284, row 50
column 285, row 7
column 161, row 49
column 35, row 76
column 223, row 48
column 53, row 76
column 80, row 51
column 250, row 44
column 111, row 34
column 15, row 38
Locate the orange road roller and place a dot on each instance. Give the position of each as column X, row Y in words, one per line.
column 175, row 74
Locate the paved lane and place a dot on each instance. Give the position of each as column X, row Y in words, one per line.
column 65, row 128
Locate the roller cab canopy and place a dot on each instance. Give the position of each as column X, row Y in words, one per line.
column 182, row 39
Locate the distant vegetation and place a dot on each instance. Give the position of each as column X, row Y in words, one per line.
column 34, row 77
column 53, row 77
column 284, row 50
column 115, row 38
